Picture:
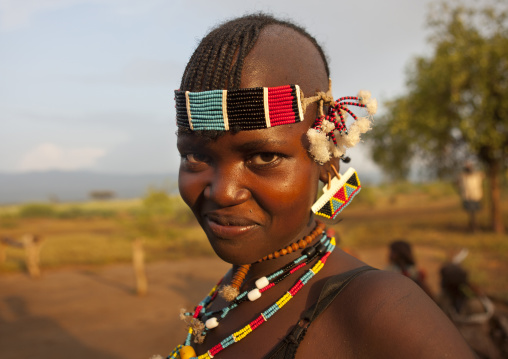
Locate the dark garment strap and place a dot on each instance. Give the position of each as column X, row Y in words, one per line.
column 288, row 346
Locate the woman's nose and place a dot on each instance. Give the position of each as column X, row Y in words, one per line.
column 226, row 188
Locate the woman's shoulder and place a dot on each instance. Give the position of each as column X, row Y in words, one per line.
column 383, row 314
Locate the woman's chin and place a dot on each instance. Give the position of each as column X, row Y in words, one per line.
column 234, row 251
column 230, row 232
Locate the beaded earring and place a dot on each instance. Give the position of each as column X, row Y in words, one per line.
column 337, row 194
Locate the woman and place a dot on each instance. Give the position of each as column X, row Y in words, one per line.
column 402, row 261
column 471, row 311
column 252, row 188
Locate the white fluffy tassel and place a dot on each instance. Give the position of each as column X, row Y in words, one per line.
column 364, row 96
column 341, row 142
column 372, row 106
column 370, row 103
column 339, row 149
column 318, row 145
column 364, row 124
column 327, row 126
column 353, row 137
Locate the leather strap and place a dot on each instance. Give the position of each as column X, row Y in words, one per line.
column 289, row 345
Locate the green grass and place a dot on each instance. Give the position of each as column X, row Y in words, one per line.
column 100, row 233
column 86, row 242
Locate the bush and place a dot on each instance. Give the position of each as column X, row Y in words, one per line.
column 37, row 210
column 77, row 212
column 437, row 190
column 71, row 213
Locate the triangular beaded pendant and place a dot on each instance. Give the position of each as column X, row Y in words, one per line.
column 349, row 189
column 336, row 204
column 341, row 195
column 338, row 196
column 353, row 180
column 326, row 211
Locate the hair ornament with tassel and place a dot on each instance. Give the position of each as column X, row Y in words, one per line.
column 329, row 136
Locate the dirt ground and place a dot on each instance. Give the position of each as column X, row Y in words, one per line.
column 94, row 313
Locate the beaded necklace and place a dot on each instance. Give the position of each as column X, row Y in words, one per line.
column 187, row 352
column 301, row 244
column 261, row 285
column 231, row 291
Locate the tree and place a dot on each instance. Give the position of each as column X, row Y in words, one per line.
column 456, row 105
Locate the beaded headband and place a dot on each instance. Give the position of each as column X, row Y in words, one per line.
column 265, row 107
column 241, row 109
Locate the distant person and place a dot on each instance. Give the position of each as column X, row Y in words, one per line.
column 402, row 261
column 472, row 312
column 470, row 184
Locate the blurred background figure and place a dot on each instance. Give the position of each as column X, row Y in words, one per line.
column 402, row 261
column 473, row 313
column 470, row 184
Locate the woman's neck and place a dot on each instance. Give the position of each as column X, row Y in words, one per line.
column 265, row 267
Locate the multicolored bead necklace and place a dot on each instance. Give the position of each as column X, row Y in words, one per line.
column 231, row 291
column 187, row 352
column 261, row 285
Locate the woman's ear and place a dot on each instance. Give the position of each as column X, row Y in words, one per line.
column 326, row 169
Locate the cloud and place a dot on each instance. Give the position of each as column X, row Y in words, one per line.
column 48, row 156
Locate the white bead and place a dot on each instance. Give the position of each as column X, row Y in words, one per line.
column 254, row 294
column 211, row 323
column 262, row 282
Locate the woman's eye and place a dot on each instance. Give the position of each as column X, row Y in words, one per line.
column 264, row 158
column 194, row 158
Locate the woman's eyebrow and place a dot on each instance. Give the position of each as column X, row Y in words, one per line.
column 189, row 140
column 259, row 144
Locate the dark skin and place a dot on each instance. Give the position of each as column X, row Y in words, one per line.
column 252, row 192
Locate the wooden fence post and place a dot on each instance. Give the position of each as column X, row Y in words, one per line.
column 32, row 245
column 138, row 260
column 3, row 253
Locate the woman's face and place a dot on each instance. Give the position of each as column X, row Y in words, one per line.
column 251, row 191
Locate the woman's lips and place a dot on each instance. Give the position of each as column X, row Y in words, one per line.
column 228, row 227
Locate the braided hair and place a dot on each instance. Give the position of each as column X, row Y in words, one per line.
column 218, row 60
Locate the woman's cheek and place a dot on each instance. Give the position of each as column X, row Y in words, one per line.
column 295, row 194
column 188, row 189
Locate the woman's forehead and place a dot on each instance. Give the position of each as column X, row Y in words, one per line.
column 283, row 56
column 289, row 135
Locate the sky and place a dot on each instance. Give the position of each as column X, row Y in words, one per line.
column 88, row 84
